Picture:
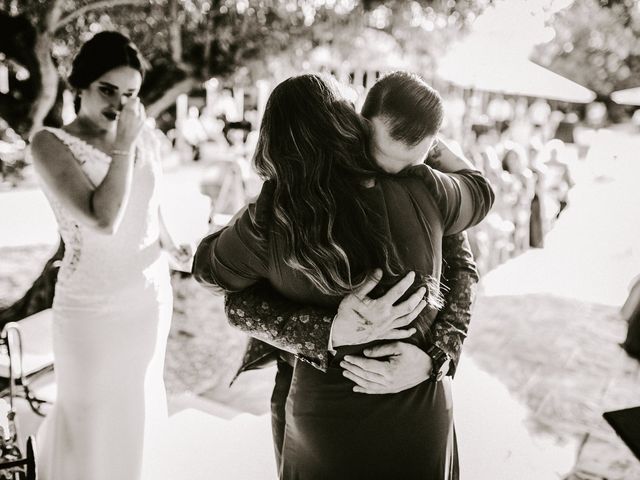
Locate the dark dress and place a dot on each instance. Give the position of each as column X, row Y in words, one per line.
column 332, row 432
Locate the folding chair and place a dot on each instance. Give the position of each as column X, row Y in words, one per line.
column 26, row 355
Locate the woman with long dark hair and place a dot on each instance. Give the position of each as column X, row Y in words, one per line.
column 327, row 215
column 113, row 300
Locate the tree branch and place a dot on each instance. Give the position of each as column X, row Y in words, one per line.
column 95, row 6
column 51, row 17
column 169, row 96
column 175, row 33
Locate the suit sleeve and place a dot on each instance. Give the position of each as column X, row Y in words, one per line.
column 235, row 261
column 237, row 256
column 464, row 198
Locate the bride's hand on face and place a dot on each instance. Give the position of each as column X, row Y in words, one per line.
column 361, row 319
column 130, row 123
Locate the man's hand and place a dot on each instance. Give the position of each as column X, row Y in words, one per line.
column 361, row 319
column 405, row 366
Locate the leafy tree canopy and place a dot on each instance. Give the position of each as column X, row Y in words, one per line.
column 189, row 41
column 597, row 44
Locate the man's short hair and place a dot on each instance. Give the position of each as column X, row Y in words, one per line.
column 409, row 107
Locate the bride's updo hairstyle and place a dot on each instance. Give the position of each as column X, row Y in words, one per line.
column 102, row 53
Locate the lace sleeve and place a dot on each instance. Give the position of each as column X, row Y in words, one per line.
column 460, row 275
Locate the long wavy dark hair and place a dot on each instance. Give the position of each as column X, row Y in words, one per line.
column 314, row 147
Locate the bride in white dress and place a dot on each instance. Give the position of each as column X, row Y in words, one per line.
column 113, row 300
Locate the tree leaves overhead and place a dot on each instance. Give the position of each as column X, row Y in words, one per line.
column 597, row 44
column 232, row 39
column 218, row 35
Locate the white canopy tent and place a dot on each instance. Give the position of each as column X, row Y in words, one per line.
column 630, row 96
column 510, row 75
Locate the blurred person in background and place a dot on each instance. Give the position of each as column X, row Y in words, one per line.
column 12, row 158
column 193, row 131
column 559, row 178
column 498, row 227
column 500, row 111
column 515, row 162
column 538, row 224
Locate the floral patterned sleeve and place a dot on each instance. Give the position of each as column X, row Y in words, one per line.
column 266, row 315
column 460, row 276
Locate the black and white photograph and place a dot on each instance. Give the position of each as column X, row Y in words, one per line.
column 319, row 240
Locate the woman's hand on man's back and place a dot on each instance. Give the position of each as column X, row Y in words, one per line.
column 361, row 319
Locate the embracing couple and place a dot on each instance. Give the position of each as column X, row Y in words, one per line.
column 336, row 271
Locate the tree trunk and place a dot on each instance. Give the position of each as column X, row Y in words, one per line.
column 175, row 33
column 46, row 98
column 170, row 95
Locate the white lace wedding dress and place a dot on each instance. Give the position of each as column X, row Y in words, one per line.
column 112, row 312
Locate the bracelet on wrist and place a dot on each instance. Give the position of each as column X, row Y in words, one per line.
column 124, row 153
